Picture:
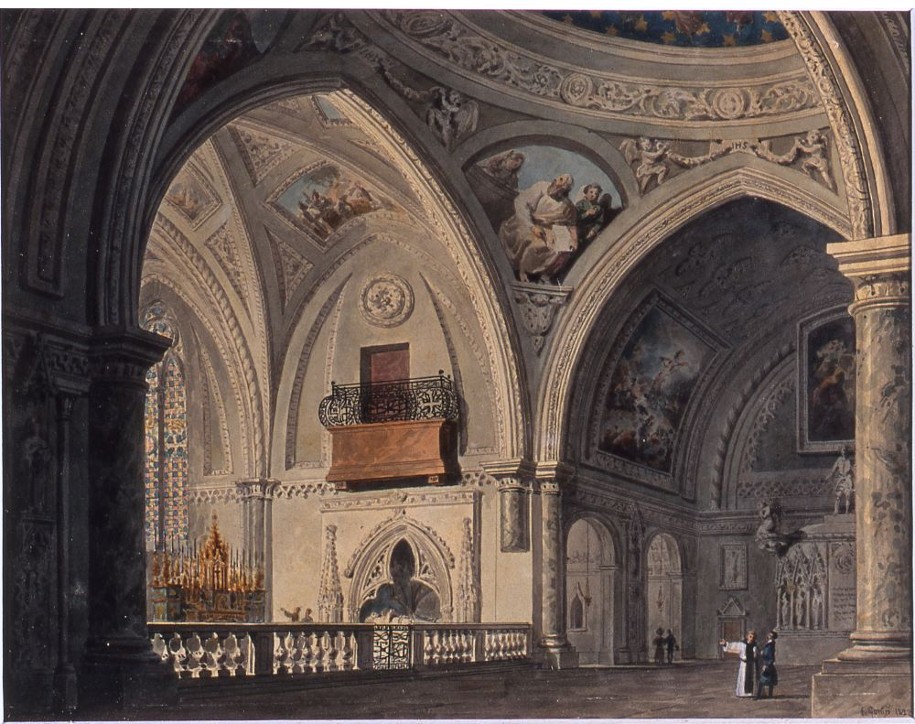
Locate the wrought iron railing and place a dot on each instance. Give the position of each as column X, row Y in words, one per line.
column 216, row 650
column 419, row 398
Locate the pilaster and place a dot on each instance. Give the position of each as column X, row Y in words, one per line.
column 257, row 496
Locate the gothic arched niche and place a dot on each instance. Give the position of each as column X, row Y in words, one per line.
column 665, row 587
column 402, row 595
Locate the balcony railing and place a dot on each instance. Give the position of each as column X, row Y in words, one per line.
column 217, row 650
column 419, row 398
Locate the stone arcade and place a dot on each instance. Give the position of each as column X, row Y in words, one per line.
column 484, row 336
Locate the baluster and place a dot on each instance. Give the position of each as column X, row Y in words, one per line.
column 281, row 654
column 159, row 646
column 212, row 653
column 441, row 650
column 467, row 646
column 348, row 641
column 298, row 656
column 319, row 653
column 247, row 655
column 178, row 654
column 333, row 652
column 428, row 649
column 487, row 646
column 308, row 645
column 195, row 653
column 232, row 655
column 498, row 645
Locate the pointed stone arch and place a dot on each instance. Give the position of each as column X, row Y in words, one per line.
column 369, row 567
column 689, row 197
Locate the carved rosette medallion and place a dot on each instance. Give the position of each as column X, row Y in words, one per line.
column 387, row 300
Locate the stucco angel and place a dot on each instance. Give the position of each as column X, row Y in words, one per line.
column 651, row 155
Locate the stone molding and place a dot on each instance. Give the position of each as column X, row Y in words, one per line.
column 124, row 355
column 442, row 37
column 257, row 488
column 399, row 500
column 592, row 494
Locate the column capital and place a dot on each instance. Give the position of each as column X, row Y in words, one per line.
column 124, row 354
column 257, row 488
column 511, row 474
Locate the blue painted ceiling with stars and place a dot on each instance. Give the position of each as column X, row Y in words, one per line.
column 703, row 29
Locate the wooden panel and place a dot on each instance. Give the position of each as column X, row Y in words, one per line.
column 391, row 450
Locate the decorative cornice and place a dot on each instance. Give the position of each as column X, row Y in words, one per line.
column 257, row 488
column 443, row 38
column 124, row 355
column 215, row 494
column 869, row 257
column 399, row 500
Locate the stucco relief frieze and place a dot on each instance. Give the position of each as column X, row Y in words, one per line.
column 785, row 484
column 290, row 489
column 209, row 495
column 899, row 34
column 651, row 158
column 400, row 500
column 845, row 137
column 441, row 36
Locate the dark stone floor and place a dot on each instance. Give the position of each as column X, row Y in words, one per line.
column 683, row 690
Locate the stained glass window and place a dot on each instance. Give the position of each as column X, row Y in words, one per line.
column 166, row 469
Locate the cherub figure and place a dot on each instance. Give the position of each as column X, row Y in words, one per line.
column 813, row 146
column 450, row 114
column 651, row 155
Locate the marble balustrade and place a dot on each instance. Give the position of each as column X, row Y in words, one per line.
column 202, row 650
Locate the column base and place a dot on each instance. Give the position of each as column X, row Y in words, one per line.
column 864, row 689
column 65, row 690
column 126, row 673
column 558, row 655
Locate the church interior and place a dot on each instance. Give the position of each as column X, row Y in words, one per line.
column 337, row 343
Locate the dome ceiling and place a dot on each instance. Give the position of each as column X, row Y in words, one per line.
column 702, row 29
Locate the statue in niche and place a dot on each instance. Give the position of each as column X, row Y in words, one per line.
column 768, row 535
column 784, row 608
column 843, row 478
column 816, row 607
column 800, row 607
column 36, row 457
column 403, row 598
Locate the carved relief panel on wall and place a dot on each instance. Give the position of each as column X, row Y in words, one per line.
column 732, row 566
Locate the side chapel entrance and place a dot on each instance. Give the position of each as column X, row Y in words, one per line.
column 590, row 583
column 665, row 588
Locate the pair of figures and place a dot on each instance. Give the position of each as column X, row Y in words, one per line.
column 757, row 665
column 664, row 642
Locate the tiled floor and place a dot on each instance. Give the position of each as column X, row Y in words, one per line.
column 684, row 690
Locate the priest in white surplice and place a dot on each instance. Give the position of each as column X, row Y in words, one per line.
column 748, row 652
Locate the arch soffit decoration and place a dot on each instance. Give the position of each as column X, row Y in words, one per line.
column 645, row 231
column 375, row 549
column 231, row 362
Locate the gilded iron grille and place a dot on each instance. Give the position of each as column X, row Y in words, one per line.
column 419, row 398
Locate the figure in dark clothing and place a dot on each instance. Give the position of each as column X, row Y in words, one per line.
column 671, row 642
column 658, row 643
column 768, row 674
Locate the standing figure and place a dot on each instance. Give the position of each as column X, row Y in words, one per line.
column 768, row 674
column 748, row 651
column 658, row 642
column 671, row 642
column 843, row 477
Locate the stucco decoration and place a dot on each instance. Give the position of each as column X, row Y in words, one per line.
column 538, row 305
column 468, row 582
column 370, row 565
column 292, row 265
column 261, row 152
column 447, row 39
column 386, row 300
column 651, row 158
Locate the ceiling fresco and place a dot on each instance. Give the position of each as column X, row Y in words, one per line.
column 703, row 29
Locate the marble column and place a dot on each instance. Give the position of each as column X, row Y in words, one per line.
column 121, row 667
column 514, row 478
column 874, row 673
column 257, row 525
column 558, row 653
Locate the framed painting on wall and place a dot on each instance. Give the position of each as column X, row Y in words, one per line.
column 826, row 382
column 732, row 567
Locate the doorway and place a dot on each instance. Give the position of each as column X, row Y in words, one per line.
column 665, row 588
column 590, row 580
